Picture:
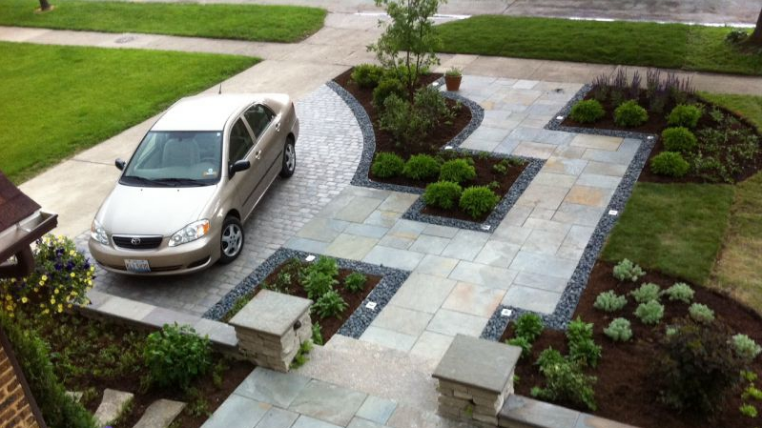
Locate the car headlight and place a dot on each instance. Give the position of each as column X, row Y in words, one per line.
column 190, row 233
column 98, row 233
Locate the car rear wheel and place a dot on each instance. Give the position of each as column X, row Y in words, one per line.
column 231, row 240
column 289, row 159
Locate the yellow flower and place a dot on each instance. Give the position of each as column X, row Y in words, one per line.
column 89, row 282
column 52, row 301
column 46, row 311
column 72, row 275
column 42, row 282
column 9, row 308
column 8, row 297
column 60, row 308
column 56, row 291
column 24, row 299
column 72, row 252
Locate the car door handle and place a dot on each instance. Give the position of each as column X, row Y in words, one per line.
column 258, row 155
column 277, row 127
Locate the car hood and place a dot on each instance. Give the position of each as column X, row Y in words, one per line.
column 132, row 210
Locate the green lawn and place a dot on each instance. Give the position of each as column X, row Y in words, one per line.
column 627, row 43
column 223, row 21
column 59, row 100
column 674, row 228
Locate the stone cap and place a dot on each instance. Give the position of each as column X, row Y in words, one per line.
column 480, row 363
column 271, row 312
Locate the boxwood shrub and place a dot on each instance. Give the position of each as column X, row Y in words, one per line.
column 478, row 200
column 386, row 87
column 367, row 75
column 630, row 114
column 421, row 167
column 387, row 165
column 457, row 171
column 587, row 111
column 684, row 115
column 670, row 164
column 679, row 139
column 442, row 194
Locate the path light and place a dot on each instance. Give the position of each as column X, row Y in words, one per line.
column 506, row 313
column 448, row 148
column 309, row 258
column 613, row 212
column 435, row 84
column 371, row 306
column 560, row 117
column 485, row 227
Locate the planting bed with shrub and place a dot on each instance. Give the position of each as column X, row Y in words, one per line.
column 336, row 291
column 700, row 141
column 651, row 352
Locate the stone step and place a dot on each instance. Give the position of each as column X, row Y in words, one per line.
column 376, row 370
column 160, row 414
column 112, row 405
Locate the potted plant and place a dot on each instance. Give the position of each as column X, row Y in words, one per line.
column 453, row 77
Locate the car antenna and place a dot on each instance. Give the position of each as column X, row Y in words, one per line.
column 219, row 92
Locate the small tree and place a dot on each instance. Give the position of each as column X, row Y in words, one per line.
column 409, row 43
column 45, row 5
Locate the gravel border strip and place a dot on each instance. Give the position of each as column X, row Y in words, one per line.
column 414, row 212
column 563, row 312
column 355, row 325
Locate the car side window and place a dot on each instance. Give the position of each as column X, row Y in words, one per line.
column 259, row 117
column 240, row 142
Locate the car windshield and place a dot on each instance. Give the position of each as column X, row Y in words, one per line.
column 176, row 159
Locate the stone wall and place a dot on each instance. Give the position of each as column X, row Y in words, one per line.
column 17, row 407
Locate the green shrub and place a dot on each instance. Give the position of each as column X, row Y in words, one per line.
column 407, row 124
column 176, row 355
column 387, row 165
column 477, row 201
column 442, row 194
column 745, row 347
column 646, row 293
column 588, row 111
column 564, row 381
column 684, row 115
column 330, row 304
column 325, row 265
column 670, row 164
column 701, row 313
column 680, row 291
column 355, row 282
column 748, row 410
column 609, row 301
column 628, row 271
column 316, row 284
column 317, row 334
column 582, row 348
column 367, row 75
column 529, row 326
column 679, row 139
column 457, row 171
column 421, row 167
column 58, row 409
column 630, row 114
column 697, row 368
column 523, row 343
column 619, row 330
column 650, row 312
column 387, row 87
column 431, row 105
column 579, row 330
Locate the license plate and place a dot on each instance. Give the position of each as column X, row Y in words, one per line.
column 139, row 266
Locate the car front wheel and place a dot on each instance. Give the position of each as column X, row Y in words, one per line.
column 231, row 240
column 289, row 159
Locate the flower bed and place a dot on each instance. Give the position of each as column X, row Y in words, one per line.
column 627, row 388
column 316, row 280
column 712, row 144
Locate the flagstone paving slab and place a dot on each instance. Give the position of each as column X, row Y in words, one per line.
column 352, row 247
column 531, row 299
column 474, row 299
column 363, row 423
column 402, row 320
column 160, row 414
column 393, row 257
column 436, row 266
column 423, row 293
column 277, row 418
column 489, row 276
column 451, row 323
column 388, row 338
column 327, row 402
column 279, row 389
column 431, row 345
column 376, row 409
column 237, row 411
column 308, row 422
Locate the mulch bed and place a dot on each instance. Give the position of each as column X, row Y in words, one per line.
column 658, row 123
column 328, row 326
column 626, row 391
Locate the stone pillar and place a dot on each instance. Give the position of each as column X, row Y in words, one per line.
column 475, row 378
column 271, row 327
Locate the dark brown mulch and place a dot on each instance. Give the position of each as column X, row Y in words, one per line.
column 626, row 390
column 658, row 123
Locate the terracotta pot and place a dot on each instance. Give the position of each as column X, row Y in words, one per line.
column 453, row 82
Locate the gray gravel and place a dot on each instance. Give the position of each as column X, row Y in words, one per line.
column 561, row 316
column 391, row 281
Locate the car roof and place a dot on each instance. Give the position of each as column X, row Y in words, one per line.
column 204, row 112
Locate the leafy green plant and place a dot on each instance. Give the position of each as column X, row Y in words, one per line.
column 176, row 355
column 317, row 284
column 685, row 115
column 355, row 282
column 478, row 201
column 752, row 392
column 317, row 334
column 679, row 139
column 748, row 410
column 457, row 171
column 646, row 293
column 619, row 330
column 431, row 105
column 697, row 368
column 609, row 301
column 701, row 313
column 442, row 194
column 529, row 326
column 421, row 167
column 626, row 270
column 736, row 36
column 680, row 291
column 453, row 72
column 523, row 343
column 386, row 88
column 582, row 348
column 564, row 381
column 387, row 165
column 629, row 114
column 670, row 164
column 650, row 312
column 301, row 356
column 330, row 304
column 588, row 111
column 408, row 124
column 367, row 75
column 500, row 168
column 745, row 347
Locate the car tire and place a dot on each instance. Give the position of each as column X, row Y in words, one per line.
column 289, row 159
column 231, row 240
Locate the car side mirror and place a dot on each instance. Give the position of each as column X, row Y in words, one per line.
column 119, row 164
column 239, row 165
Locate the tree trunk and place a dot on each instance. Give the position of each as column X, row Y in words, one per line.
column 756, row 36
column 44, row 5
